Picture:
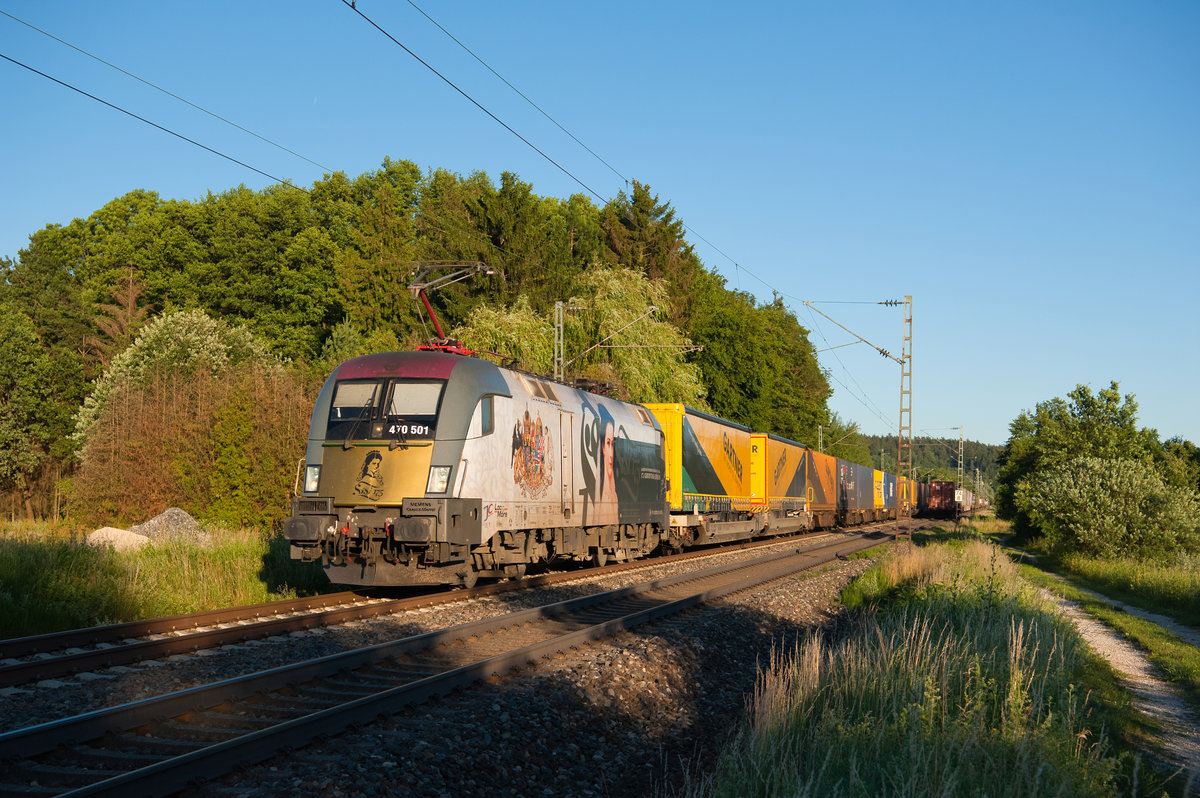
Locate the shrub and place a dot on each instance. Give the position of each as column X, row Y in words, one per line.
column 179, row 344
column 223, row 447
column 1111, row 507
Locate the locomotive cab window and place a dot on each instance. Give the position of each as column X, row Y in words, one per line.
column 400, row 410
column 352, row 407
column 412, row 410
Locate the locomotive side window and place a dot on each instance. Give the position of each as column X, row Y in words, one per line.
column 485, row 415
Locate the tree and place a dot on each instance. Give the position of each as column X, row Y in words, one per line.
column 25, row 434
column 645, row 354
column 643, row 234
column 1101, row 426
column 757, row 362
column 1179, row 463
column 614, row 308
column 119, row 321
column 842, row 440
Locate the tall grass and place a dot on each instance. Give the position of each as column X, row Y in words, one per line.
column 51, row 581
column 953, row 679
column 1168, row 587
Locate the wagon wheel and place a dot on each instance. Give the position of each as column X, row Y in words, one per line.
column 468, row 577
column 599, row 556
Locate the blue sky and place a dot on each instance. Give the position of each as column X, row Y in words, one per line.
column 1029, row 172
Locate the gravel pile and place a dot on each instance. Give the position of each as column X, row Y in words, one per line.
column 171, row 525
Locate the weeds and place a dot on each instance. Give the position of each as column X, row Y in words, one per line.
column 50, row 580
column 953, row 678
column 1169, row 587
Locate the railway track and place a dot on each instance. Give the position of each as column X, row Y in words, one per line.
column 31, row 659
column 161, row 744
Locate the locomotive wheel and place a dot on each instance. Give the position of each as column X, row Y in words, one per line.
column 599, row 556
column 468, row 577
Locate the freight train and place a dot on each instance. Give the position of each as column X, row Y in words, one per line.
column 940, row 498
column 433, row 468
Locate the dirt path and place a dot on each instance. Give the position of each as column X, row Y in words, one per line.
column 1153, row 695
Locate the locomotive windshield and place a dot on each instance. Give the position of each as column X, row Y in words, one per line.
column 385, row 409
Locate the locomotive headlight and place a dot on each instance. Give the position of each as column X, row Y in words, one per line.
column 312, row 478
column 439, row 479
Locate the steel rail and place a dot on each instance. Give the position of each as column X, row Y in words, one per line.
column 92, row 635
column 114, row 646
column 176, row 772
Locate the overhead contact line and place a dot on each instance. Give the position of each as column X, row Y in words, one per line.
column 350, row 4
column 230, row 158
column 166, row 92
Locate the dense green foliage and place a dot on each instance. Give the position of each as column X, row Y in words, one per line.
column 318, row 275
column 1106, row 508
column 1083, row 475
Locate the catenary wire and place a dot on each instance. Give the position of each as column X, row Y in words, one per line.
column 691, row 230
column 230, row 158
column 518, row 91
column 167, row 92
column 864, row 400
column 286, row 182
column 350, row 4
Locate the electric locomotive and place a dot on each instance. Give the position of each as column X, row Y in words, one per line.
column 432, row 468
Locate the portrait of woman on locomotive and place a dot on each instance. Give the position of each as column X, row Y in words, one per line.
column 370, row 483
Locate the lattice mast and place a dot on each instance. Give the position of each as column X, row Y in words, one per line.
column 904, row 458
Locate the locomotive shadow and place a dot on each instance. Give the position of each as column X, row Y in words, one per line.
column 636, row 715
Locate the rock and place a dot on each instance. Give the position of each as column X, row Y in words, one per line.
column 119, row 539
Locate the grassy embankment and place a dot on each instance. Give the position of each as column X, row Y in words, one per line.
column 951, row 677
column 1170, row 588
column 50, row 580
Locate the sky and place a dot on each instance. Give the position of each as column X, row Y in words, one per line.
column 1028, row 172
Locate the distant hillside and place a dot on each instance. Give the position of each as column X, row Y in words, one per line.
column 937, row 458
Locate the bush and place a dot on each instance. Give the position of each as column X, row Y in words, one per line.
column 224, row 447
column 179, row 344
column 1109, row 508
column 194, row 414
